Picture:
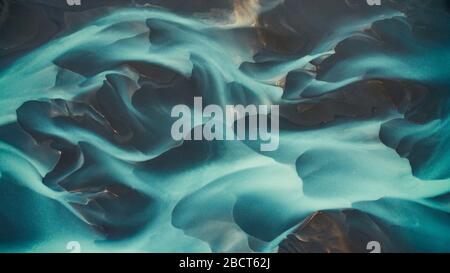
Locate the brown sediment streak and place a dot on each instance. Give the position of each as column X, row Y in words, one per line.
column 245, row 12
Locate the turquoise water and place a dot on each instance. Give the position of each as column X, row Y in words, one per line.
column 86, row 153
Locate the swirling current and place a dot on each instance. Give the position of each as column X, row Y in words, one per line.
column 86, row 94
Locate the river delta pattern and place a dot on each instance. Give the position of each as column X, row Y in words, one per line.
column 86, row 154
